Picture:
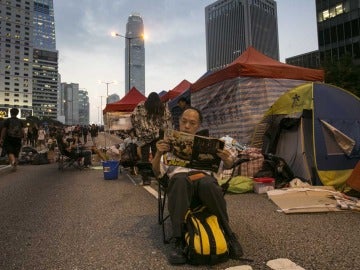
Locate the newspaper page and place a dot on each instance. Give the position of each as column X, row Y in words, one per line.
column 193, row 151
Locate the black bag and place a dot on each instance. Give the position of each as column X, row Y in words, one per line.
column 205, row 239
column 129, row 156
column 27, row 155
column 145, row 168
column 276, row 167
column 40, row 159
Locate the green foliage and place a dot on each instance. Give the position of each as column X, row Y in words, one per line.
column 343, row 73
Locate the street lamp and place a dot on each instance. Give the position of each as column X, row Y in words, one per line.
column 101, row 118
column 114, row 34
column 101, row 110
column 98, row 114
column 107, row 88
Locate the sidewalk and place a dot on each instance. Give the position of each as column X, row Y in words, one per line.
column 4, row 166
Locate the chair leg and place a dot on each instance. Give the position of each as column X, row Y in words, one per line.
column 161, row 209
column 160, row 202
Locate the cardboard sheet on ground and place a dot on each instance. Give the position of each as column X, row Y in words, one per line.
column 304, row 200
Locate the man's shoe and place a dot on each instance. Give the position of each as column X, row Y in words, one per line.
column 177, row 255
column 235, row 249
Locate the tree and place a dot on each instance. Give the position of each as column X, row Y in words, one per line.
column 343, row 73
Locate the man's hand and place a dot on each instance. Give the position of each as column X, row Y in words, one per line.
column 162, row 146
column 226, row 157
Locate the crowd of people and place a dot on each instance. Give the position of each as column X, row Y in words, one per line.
column 15, row 135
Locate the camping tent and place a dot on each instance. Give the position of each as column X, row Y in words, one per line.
column 127, row 103
column 178, row 90
column 234, row 99
column 315, row 127
column 117, row 114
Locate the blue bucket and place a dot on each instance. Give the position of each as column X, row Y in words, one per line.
column 111, row 169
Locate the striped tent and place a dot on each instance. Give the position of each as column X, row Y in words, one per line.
column 234, row 99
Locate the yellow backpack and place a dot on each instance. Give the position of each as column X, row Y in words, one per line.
column 204, row 237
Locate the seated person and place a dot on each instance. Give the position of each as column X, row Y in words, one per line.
column 129, row 151
column 74, row 149
column 181, row 190
column 51, row 144
column 113, row 152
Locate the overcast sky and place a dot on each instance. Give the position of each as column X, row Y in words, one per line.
column 174, row 48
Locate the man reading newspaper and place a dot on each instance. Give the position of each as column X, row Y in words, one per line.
column 187, row 183
column 192, row 151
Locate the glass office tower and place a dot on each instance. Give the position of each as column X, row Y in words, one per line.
column 44, row 25
column 135, row 54
column 338, row 24
column 234, row 25
column 45, row 61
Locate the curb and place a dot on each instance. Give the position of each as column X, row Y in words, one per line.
column 4, row 168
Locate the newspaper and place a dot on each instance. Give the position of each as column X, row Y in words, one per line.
column 193, row 151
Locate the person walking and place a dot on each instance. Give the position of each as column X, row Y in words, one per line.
column 149, row 119
column 94, row 131
column 11, row 137
column 41, row 136
column 85, row 132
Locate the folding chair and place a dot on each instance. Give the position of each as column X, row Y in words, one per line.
column 146, row 169
column 162, row 195
column 162, row 192
column 66, row 160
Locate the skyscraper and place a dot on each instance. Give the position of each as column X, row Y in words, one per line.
column 45, row 61
column 84, row 110
column 338, row 24
column 16, row 57
column 338, row 29
column 134, row 54
column 234, row 25
column 44, row 25
column 70, row 102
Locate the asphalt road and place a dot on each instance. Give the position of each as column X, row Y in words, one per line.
column 77, row 220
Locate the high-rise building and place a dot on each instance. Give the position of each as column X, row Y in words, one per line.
column 84, row 111
column 134, row 54
column 45, row 83
column 70, row 102
column 45, row 61
column 112, row 98
column 338, row 24
column 338, row 27
column 74, row 107
column 307, row 60
column 44, row 25
column 234, row 25
column 16, row 56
